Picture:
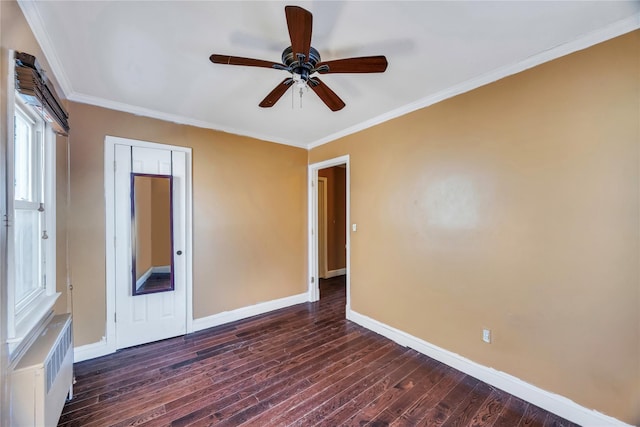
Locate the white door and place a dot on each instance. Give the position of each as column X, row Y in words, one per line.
column 155, row 316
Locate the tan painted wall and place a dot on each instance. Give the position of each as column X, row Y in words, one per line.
column 513, row 207
column 249, row 215
column 336, row 217
column 16, row 34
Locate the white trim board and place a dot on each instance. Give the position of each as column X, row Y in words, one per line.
column 335, row 273
column 551, row 402
column 150, row 271
column 246, row 312
column 312, row 224
column 91, row 351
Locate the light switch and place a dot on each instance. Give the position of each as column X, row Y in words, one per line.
column 354, row 227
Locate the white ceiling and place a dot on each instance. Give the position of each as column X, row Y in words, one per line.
column 152, row 58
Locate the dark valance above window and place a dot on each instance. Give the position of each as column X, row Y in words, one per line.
column 36, row 90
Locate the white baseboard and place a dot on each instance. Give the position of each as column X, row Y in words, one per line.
column 150, row 271
column 143, row 278
column 335, row 273
column 551, row 402
column 93, row 350
column 244, row 312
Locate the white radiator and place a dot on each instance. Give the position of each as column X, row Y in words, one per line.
column 43, row 377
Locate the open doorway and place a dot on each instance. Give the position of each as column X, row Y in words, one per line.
column 328, row 224
column 332, row 229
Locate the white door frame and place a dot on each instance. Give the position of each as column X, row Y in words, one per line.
column 314, row 290
column 109, row 179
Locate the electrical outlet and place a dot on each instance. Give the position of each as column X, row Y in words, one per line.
column 486, row 335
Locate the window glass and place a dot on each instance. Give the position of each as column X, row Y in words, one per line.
column 27, row 255
column 24, row 153
column 29, row 209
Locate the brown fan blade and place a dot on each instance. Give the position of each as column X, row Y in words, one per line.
column 365, row 64
column 328, row 96
column 237, row 60
column 276, row 93
column 300, row 23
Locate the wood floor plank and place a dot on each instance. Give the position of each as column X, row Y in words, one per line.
column 231, row 383
column 303, row 365
column 420, row 410
column 211, row 370
column 533, row 417
column 465, row 411
column 490, row 409
column 370, row 391
column 329, row 386
column 364, row 408
column 438, row 414
column 254, row 388
column 512, row 413
column 556, row 421
column 434, row 373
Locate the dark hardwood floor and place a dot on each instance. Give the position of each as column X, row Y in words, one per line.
column 304, row 365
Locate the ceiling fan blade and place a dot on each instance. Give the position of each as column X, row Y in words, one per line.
column 237, row 60
column 365, row 64
column 328, row 96
column 276, row 93
column 300, row 24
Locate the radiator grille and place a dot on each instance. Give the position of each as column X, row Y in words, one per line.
column 57, row 356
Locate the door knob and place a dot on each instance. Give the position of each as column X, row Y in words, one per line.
column 179, row 252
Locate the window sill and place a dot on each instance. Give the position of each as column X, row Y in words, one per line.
column 30, row 318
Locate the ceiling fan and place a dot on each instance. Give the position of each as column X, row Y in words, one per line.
column 303, row 61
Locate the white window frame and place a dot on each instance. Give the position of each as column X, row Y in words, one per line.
column 21, row 321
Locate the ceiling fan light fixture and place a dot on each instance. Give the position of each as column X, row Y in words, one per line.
column 299, row 81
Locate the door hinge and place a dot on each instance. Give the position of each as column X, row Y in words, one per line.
column 313, row 280
column 114, row 166
column 115, row 317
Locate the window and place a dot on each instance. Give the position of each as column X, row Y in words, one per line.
column 32, row 234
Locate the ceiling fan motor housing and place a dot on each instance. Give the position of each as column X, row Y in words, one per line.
column 303, row 69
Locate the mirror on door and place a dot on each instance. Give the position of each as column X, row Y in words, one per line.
column 151, row 233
